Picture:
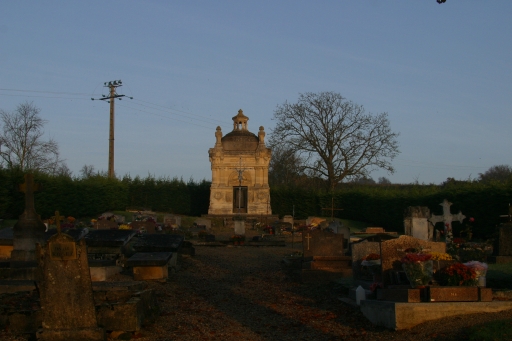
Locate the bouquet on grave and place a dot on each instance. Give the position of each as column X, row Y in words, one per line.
column 479, row 267
column 457, row 274
column 418, row 268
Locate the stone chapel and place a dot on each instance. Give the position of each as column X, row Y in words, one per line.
column 239, row 162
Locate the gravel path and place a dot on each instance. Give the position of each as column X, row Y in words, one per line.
column 241, row 293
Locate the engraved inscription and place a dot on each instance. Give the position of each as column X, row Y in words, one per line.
column 62, row 251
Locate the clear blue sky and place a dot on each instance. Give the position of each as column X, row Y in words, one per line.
column 442, row 73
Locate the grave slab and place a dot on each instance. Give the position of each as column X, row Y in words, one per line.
column 397, row 316
column 453, row 294
column 399, row 295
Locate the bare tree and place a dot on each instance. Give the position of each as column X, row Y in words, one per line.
column 334, row 136
column 285, row 166
column 500, row 173
column 87, row 171
column 22, row 144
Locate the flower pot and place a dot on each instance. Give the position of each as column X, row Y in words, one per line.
column 419, row 274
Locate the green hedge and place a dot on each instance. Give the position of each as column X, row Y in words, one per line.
column 378, row 205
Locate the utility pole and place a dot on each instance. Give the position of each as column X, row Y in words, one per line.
column 113, row 85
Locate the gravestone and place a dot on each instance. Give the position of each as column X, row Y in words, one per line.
column 416, row 223
column 103, row 224
column 148, row 226
column 288, row 219
column 392, row 251
column 28, row 230
column 323, row 256
column 447, row 218
column 172, row 221
column 66, row 297
column 503, row 244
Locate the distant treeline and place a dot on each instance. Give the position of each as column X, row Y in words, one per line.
column 91, row 196
column 379, row 205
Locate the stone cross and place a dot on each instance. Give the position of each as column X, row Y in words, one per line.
column 57, row 221
column 332, row 209
column 447, row 219
column 28, row 188
column 28, row 230
column 308, row 238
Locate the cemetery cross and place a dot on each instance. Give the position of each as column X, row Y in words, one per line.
column 332, row 209
column 447, row 218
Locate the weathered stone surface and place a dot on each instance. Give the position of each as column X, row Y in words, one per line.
column 399, row 295
column 360, row 250
column 416, row 223
column 66, row 293
column 149, row 259
column 394, row 315
column 322, row 243
column 505, row 240
column 453, row 294
column 108, row 238
column 11, row 286
column 392, row 251
column 240, row 159
column 126, row 316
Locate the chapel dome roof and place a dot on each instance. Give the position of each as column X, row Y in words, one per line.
column 240, row 139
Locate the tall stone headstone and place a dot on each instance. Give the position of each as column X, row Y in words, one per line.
column 65, row 290
column 28, row 230
column 416, row 223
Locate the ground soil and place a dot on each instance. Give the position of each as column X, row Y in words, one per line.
column 242, row 293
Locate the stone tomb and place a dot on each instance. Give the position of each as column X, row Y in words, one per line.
column 393, row 250
column 159, row 243
column 416, row 223
column 324, row 256
column 67, row 303
column 105, row 251
column 150, row 265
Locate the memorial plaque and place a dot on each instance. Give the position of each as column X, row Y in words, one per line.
column 485, row 294
column 62, row 250
column 453, row 294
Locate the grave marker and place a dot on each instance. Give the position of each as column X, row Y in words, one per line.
column 416, row 223
column 28, row 230
column 447, row 218
column 67, row 302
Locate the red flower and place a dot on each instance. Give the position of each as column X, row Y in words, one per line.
column 415, row 257
column 471, row 220
column 447, row 224
column 458, row 241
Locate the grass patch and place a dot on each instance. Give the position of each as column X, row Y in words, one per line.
column 500, row 330
column 499, row 276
